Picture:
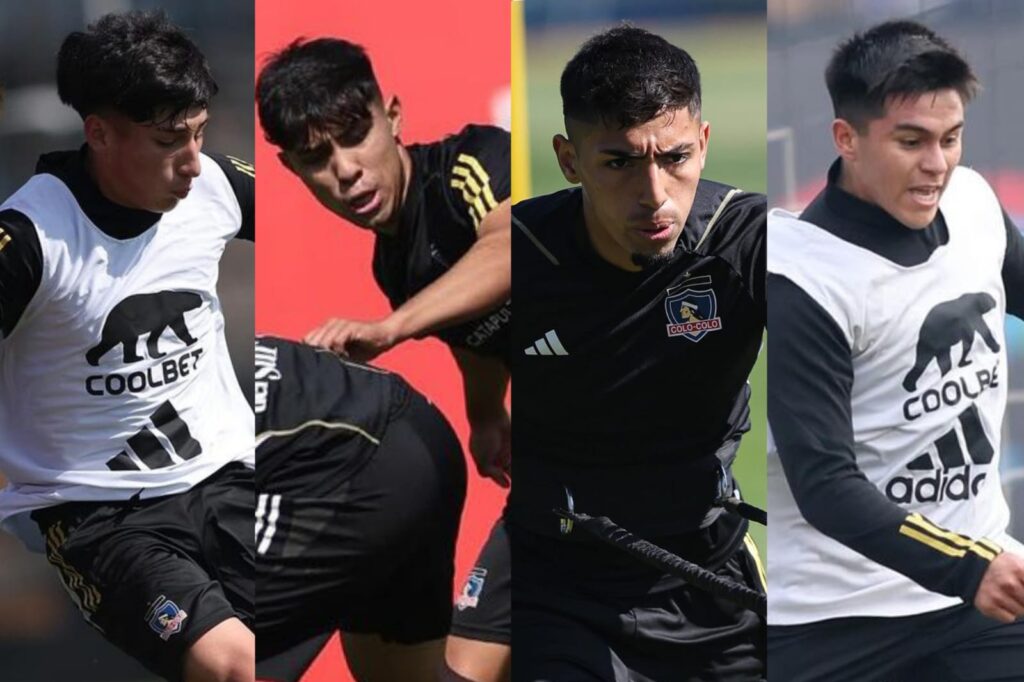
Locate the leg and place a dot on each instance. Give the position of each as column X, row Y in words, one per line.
column 471, row 660
column 479, row 648
column 371, row 659
column 988, row 652
column 226, row 653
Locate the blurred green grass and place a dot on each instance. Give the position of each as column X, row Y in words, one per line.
column 731, row 59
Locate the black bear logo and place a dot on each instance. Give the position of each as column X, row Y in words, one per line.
column 145, row 314
column 946, row 325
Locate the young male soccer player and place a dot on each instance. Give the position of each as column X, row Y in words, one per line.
column 440, row 213
column 887, row 388
column 360, row 486
column 123, row 431
column 641, row 311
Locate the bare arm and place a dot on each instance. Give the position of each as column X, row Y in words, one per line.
column 485, row 381
column 477, row 283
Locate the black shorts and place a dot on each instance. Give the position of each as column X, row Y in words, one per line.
column 631, row 626
column 957, row 644
column 155, row 575
column 374, row 557
column 483, row 609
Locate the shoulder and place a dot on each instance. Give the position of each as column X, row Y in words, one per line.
column 725, row 213
column 543, row 227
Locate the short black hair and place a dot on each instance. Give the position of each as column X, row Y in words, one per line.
column 138, row 64
column 627, row 76
column 893, row 59
column 321, row 84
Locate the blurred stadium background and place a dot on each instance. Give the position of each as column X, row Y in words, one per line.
column 727, row 40
column 449, row 65
column 42, row 636
column 801, row 36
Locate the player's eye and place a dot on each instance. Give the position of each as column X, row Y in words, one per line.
column 315, row 157
column 165, row 143
column 910, row 143
column 618, row 164
column 951, row 141
column 675, row 159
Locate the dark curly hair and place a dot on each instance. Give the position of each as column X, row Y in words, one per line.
column 138, row 64
column 322, row 84
column 627, row 76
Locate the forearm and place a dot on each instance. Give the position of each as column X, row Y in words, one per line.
column 485, row 383
column 478, row 283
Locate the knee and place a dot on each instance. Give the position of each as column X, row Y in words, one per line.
column 232, row 660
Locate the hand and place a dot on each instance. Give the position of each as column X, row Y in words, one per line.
column 1001, row 592
column 490, row 443
column 361, row 341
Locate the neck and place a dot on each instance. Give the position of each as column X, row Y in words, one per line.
column 101, row 177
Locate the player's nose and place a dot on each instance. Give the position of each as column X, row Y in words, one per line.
column 933, row 160
column 345, row 166
column 652, row 188
column 191, row 164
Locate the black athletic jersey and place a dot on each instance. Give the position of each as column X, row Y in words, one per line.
column 635, row 383
column 21, row 257
column 455, row 183
column 319, row 417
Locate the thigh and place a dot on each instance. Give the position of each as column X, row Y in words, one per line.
column 227, row 539
column 985, row 651
column 376, row 556
column 136, row 577
column 559, row 645
column 373, row 659
column 483, row 610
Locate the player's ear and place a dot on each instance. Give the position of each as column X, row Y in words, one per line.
column 705, row 135
column 98, row 132
column 393, row 110
column 565, row 152
column 844, row 137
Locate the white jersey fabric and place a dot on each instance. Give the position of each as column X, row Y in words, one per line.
column 117, row 379
column 929, row 393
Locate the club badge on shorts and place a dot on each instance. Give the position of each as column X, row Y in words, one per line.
column 165, row 618
column 691, row 308
column 470, row 596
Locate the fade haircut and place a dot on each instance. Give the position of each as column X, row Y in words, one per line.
column 897, row 59
column 323, row 84
column 627, row 76
column 137, row 64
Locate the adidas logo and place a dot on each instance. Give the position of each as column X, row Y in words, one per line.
column 549, row 344
column 954, row 480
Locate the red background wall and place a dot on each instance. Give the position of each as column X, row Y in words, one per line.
column 448, row 62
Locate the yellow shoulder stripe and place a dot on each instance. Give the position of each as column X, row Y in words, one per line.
column 5, row 239
column 242, row 166
column 469, row 176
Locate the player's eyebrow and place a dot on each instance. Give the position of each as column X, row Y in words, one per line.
column 912, row 128
column 182, row 127
column 680, row 148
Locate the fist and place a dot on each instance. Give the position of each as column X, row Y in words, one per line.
column 490, row 443
column 1001, row 592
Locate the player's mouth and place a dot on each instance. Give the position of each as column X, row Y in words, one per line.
column 656, row 232
column 925, row 196
column 182, row 193
column 364, row 204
